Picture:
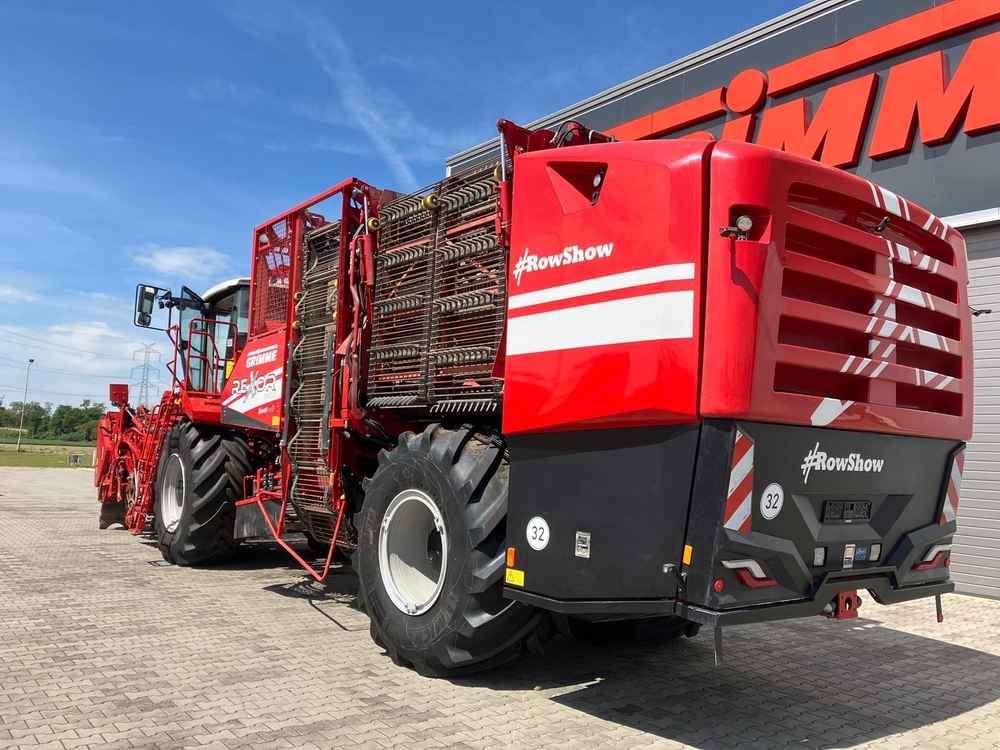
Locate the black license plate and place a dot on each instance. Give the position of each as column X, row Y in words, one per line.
column 845, row 511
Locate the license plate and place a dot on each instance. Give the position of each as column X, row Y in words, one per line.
column 846, row 511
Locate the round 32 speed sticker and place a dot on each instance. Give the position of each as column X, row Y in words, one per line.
column 772, row 501
column 537, row 533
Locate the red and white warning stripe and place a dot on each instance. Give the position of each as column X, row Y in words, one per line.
column 936, row 226
column 863, row 366
column 909, row 294
column 880, row 349
column 888, row 200
column 896, row 204
column 950, row 509
column 890, row 330
column 884, row 307
column 739, row 500
column 874, row 365
column 910, row 257
column 931, row 379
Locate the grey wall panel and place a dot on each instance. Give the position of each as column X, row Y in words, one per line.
column 976, row 557
column 949, row 179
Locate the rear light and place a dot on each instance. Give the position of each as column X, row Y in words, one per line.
column 750, row 573
column 511, row 557
column 876, row 552
column 937, row 556
column 819, row 557
column 718, row 585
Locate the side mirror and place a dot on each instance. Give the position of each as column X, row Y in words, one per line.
column 146, row 298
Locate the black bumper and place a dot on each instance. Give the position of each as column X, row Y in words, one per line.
column 879, row 586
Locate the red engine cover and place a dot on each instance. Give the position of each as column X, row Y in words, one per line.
column 604, row 280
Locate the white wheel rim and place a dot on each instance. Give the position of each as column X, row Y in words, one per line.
column 413, row 552
column 172, row 492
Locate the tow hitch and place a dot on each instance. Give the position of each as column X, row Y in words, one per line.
column 844, row 606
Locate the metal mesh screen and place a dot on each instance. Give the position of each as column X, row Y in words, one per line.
column 310, row 399
column 440, row 295
column 272, row 264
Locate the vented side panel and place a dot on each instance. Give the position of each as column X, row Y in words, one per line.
column 899, row 343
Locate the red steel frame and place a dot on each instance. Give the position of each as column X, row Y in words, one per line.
column 359, row 201
column 261, row 496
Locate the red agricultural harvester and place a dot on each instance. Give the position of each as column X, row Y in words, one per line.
column 586, row 385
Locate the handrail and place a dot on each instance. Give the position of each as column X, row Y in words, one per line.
column 214, row 362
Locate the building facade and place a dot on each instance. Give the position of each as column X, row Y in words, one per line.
column 905, row 93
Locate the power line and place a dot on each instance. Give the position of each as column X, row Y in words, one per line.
column 53, row 393
column 15, row 365
column 58, row 347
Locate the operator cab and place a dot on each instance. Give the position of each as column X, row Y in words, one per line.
column 210, row 330
column 215, row 341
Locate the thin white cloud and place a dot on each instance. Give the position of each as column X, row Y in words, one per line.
column 13, row 294
column 397, row 136
column 185, row 261
column 360, row 99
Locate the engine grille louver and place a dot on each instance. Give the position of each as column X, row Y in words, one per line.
column 867, row 316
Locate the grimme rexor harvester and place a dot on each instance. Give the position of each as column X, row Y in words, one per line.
column 589, row 384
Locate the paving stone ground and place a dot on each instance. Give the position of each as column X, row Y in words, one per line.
column 103, row 645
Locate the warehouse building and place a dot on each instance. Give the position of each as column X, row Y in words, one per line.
column 905, row 93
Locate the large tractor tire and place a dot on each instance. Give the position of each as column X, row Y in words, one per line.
column 199, row 480
column 431, row 556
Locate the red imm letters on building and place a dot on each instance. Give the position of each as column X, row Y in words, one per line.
column 836, row 131
column 919, row 92
column 918, row 96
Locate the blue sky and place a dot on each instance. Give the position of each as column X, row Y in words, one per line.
column 142, row 141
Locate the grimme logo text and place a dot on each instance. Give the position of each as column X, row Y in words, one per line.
column 821, row 461
column 570, row 255
column 262, row 356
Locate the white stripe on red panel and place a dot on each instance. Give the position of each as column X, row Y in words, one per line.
column 879, row 349
column 874, row 190
column 828, row 410
column 649, row 317
column 891, row 329
column 625, row 280
column 910, row 257
column 909, row 294
column 891, row 201
column 930, row 378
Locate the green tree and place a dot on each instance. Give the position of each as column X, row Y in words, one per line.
column 71, row 423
